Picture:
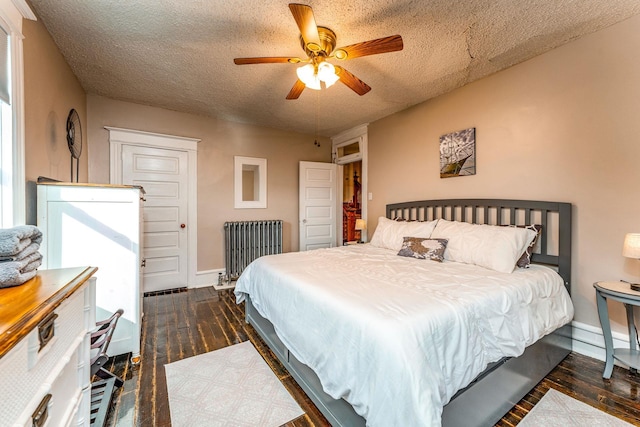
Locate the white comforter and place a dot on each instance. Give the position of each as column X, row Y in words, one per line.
column 397, row 337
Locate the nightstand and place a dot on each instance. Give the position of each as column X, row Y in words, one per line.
column 618, row 291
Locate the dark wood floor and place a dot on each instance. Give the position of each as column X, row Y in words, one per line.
column 186, row 323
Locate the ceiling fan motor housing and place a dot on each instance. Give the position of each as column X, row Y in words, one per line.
column 328, row 41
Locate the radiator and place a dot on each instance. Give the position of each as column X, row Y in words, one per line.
column 245, row 241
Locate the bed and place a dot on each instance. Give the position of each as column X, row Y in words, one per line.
column 452, row 343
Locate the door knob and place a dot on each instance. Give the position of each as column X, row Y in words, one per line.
column 304, row 221
column 183, row 225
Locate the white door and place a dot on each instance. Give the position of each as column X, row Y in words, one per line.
column 164, row 176
column 318, row 205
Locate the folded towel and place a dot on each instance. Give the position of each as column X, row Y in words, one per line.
column 29, row 250
column 15, row 273
column 34, row 262
column 16, row 239
column 32, row 248
column 15, row 278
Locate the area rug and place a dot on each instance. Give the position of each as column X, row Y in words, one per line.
column 556, row 409
column 232, row 386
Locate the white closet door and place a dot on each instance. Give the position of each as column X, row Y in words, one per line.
column 318, row 205
column 163, row 173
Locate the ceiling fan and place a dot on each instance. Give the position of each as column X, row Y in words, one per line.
column 319, row 43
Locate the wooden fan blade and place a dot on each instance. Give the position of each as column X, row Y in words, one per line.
column 352, row 82
column 303, row 15
column 296, row 90
column 371, row 47
column 266, row 60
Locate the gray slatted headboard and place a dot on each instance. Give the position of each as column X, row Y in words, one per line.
column 555, row 218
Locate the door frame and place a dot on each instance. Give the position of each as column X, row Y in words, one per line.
column 357, row 134
column 120, row 136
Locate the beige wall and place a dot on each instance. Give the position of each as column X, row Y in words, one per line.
column 564, row 126
column 51, row 90
column 220, row 142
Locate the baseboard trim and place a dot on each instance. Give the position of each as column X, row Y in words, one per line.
column 207, row 278
column 588, row 340
column 225, row 286
column 211, row 278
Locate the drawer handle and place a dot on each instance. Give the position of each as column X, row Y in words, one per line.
column 41, row 414
column 46, row 330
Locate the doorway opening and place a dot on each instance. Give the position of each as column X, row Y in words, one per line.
column 350, row 154
column 352, row 202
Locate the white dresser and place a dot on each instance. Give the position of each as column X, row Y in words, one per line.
column 45, row 329
column 100, row 225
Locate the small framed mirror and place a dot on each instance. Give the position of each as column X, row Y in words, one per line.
column 250, row 182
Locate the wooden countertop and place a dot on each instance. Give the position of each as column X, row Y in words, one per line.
column 23, row 307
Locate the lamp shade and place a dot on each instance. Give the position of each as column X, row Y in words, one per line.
column 307, row 75
column 361, row 224
column 327, row 73
column 311, row 75
column 631, row 248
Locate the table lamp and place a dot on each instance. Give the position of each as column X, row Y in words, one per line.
column 361, row 224
column 631, row 249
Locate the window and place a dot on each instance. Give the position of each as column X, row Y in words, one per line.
column 348, row 151
column 6, row 165
column 12, row 178
column 6, row 132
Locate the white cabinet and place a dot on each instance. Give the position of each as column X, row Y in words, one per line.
column 99, row 225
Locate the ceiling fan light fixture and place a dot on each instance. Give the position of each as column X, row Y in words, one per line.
column 307, row 75
column 327, row 74
column 314, row 84
column 319, row 45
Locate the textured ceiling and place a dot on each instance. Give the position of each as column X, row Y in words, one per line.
column 178, row 54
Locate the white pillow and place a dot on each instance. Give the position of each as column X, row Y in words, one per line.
column 489, row 246
column 390, row 234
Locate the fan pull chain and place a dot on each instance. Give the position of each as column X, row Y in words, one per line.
column 316, row 142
